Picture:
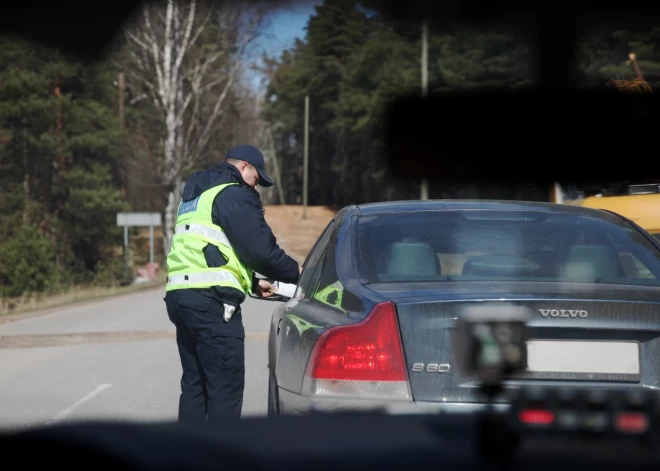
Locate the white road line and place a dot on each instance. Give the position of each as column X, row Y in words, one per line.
column 61, row 415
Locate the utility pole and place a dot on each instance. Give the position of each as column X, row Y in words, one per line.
column 58, row 118
column 122, row 94
column 306, row 164
column 121, row 85
column 425, row 78
column 280, row 190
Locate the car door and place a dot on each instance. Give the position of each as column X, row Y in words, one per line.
column 286, row 324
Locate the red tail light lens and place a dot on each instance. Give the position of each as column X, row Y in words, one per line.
column 631, row 422
column 367, row 351
column 363, row 359
column 536, row 417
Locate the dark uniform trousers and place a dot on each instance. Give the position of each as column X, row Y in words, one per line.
column 212, row 355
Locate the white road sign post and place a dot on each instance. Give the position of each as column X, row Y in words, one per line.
column 140, row 219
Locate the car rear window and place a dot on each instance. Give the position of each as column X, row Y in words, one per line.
column 477, row 245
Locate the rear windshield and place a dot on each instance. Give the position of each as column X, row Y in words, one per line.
column 477, row 245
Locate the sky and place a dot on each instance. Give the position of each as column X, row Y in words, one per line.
column 284, row 26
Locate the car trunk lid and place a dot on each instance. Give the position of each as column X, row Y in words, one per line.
column 579, row 336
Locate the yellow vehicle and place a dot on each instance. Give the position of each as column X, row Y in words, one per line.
column 639, row 202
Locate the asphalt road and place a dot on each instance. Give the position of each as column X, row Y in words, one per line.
column 109, row 359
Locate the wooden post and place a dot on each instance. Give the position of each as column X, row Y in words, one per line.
column 306, row 163
column 424, row 190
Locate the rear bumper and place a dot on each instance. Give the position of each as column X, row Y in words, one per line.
column 296, row 404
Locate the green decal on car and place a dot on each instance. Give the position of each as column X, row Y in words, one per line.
column 301, row 324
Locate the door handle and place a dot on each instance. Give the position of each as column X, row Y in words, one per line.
column 279, row 326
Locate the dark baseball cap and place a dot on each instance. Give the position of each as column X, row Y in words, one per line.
column 253, row 156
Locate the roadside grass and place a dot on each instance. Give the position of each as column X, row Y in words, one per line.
column 294, row 234
column 75, row 294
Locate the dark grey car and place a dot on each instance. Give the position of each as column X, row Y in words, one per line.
column 373, row 317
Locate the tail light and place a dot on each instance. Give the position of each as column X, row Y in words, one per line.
column 631, row 422
column 537, row 417
column 360, row 360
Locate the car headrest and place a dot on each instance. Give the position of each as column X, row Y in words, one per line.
column 412, row 260
column 547, row 260
column 499, row 265
column 592, row 261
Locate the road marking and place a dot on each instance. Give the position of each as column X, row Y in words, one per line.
column 79, row 403
column 87, row 338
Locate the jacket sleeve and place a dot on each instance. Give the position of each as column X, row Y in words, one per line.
column 238, row 211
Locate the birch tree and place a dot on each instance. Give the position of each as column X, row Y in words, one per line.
column 188, row 56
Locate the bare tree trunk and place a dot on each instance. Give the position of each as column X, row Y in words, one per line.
column 173, row 200
column 190, row 76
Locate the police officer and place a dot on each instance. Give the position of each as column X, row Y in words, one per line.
column 221, row 238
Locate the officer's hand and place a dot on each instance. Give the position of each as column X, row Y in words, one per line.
column 265, row 289
column 300, row 269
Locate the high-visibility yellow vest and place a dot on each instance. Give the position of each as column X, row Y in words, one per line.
column 194, row 230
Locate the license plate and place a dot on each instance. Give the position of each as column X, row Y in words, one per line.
column 583, row 360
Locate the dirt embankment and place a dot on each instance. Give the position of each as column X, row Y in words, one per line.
column 295, row 234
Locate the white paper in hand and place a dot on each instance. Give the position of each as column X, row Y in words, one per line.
column 286, row 289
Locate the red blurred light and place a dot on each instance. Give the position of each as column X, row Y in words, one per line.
column 631, row 422
column 537, row 416
column 370, row 350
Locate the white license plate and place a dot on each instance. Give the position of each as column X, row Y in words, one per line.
column 583, row 360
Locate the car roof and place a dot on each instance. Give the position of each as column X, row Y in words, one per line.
column 389, row 207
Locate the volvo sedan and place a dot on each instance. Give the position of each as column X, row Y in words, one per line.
column 372, row 321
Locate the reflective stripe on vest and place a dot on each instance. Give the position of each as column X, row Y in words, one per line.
column 204, row 277
column 204, row 231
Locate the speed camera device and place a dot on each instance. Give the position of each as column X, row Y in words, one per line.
column 491, row 341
